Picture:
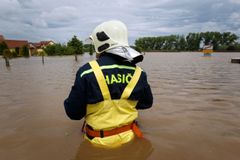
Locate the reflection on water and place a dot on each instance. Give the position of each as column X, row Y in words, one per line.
column 139, row 149
column 195, row 114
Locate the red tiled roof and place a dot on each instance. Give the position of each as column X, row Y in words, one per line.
column 16, row 43
column 12, row 44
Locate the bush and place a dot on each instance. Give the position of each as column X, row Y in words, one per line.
column 3, row 46
column 7, row 53
column 25, row 51
column 14, row 54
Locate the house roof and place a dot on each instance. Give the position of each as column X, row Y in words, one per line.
column 16, row 43
column 1, row 38
column 39, row 44
column 12, row 44
column 46, row 42
column 34, row 45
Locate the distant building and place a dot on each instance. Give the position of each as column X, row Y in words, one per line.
column 207, row 49
column 38, row 47
column 14, row 44
column 34, row 48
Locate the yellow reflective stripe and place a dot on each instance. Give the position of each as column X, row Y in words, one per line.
column 117, row 66
column 101, row 80
column 86, row 72
column 131, row 85
column 109, row 67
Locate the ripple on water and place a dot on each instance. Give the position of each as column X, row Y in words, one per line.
column 196, row 101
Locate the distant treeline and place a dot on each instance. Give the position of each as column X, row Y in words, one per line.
column 225, row 41
column 74, row 46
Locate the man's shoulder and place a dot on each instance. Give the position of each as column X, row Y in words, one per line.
column 84, row 69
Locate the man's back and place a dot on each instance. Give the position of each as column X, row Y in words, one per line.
column 108, row 92
column 118, row 74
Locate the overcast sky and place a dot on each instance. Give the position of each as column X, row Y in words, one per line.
column 59, row 20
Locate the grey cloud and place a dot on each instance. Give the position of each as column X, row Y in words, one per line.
column 39, row 22
column 235, row 1
column 60, row 19
column 61, row 15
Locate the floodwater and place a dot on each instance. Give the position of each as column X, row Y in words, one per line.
column 195, row 115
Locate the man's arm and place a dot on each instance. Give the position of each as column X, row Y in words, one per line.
column 146, row 99
column 75, row 104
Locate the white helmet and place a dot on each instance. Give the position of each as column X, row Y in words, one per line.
column 109, row 35
column 112, row 37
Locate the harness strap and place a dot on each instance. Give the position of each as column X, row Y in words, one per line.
column 101, row 80
column 106, row 96
column 129, row 88
column 133, row 126
column 103, row 85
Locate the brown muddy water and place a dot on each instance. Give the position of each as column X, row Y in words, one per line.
column 195, row 115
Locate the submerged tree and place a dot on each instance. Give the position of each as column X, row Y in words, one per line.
column 3, row 46
column 7, row 55
column 225, row 41
column 77, row 45
column 88, row 48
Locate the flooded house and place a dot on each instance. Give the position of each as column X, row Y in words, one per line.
column 37, row 47
column 15, row 45
column 34, row 48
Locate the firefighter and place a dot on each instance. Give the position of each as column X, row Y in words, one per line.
column 109, row 91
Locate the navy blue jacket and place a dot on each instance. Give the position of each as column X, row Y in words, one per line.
column 86, row 90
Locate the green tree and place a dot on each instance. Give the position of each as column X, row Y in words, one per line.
column 16, row 52
column 221, row 41
column 3, row 46
column 25, row 51
column 7, row 55
column 76, row 44
column 88, row 48
column 237, row 45
column 91, row 48
column 136, row 48
column 182, row 45
column 216, row 40
column 50, row 50
column 59, row 49
column 69, row 50
column 229, row 38
column 193, row 40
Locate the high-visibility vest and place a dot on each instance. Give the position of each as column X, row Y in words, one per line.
column 109, row 114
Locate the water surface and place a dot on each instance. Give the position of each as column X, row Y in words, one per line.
column 195, row 115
